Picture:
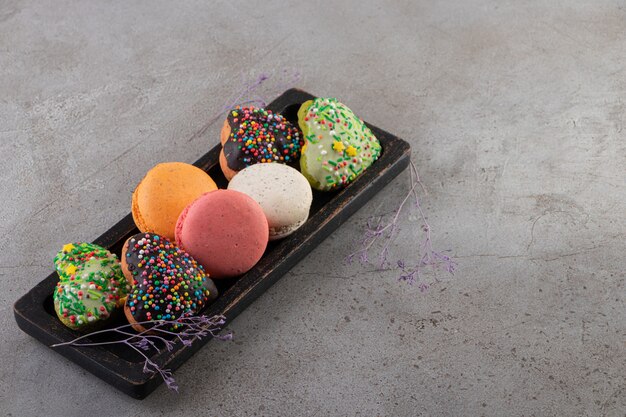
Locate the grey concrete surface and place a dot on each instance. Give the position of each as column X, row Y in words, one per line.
column 515, row 111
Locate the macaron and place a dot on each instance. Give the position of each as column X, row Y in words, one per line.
column 252, row 135
column 283, row 193
column 225, row 230
column 164, row 192
column 167, row 283
column 91, row 287
column 339, row 146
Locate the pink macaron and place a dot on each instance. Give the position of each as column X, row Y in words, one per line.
column 225, row 230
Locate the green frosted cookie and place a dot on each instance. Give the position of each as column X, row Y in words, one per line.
column 91, row 285
column 338, row 145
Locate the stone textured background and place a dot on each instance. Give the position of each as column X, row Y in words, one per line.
column 515, row 112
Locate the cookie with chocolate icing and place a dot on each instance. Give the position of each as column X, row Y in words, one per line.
column 167, row 283
column 338, row 145
column 252, row 135
column 91, row 285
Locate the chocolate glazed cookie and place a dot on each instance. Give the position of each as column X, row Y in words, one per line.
column 167, row 282
column 252, row 135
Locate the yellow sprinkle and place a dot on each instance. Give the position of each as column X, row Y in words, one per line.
column 68, row 247
column 71, row 269
column 338, row 146
column 351, row 150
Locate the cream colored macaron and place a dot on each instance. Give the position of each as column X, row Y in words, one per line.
column 283, row 193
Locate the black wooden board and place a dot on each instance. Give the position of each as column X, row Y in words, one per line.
column 119, row 365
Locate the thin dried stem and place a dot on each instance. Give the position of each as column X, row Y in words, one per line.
column 382, row 235
column 195, row 327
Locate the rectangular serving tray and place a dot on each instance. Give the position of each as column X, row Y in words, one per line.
column 123, row 368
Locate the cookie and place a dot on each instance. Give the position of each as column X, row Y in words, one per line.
column 225, row 230
column 338, row 145
column 252, row 135
column 91, row 285
column 283, row 193
column 164, row 192
column 167, row 283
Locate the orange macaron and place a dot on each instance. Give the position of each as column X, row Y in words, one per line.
column 164, row 193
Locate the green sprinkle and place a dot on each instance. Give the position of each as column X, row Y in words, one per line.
column 96, row 295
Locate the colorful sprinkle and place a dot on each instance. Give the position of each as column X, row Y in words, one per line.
column 339, row 147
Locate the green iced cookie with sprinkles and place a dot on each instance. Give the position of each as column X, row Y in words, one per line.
column 338, row 145
column 91, row 285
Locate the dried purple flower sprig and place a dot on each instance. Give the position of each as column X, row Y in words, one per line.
column 377, row 232
column 156, row 339
column 248, row 93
